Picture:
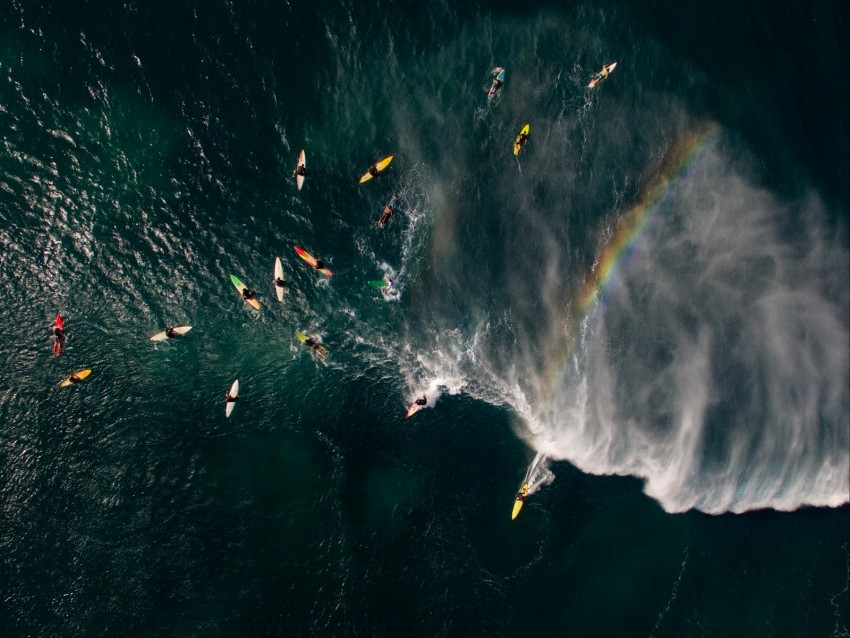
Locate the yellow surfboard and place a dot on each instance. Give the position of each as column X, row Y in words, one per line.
column 518, row 144
column 377, row 169
column 240, row 287
column 605, row 72
column 74, row 379
column 520, row 499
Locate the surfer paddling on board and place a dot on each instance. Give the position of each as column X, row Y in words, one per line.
column 318, row 348
column 74, row 378
column 229, row 399
column 247, row 294
column 498, row 81
column 423, row 401
column 373, row 170
column 521, row 140
column 58, row 340
column 171, row 333
column 389, row 209
column 299, row 170
column 279, row 282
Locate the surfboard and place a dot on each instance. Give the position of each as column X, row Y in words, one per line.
column 234, row 392
column 520, row 499
column 311, row 260
column 278, row 274
column 595, row 80
column 180, row 330
column 80, row 374
column 240, row 287
column 413, row 409
column 317, row 348
column 517, row 146
column 379, row 166
column 302, row 161
column 58, row 344
column 498, row 80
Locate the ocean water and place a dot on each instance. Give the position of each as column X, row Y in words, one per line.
column 644, row 315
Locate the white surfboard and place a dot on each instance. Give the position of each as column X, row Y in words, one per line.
column 302, row 161
column 161, row 336
column 413, row 409
column 278, row 274
column 234, row 392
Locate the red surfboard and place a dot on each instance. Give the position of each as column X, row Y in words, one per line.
column 58, row 343
column 311, row 260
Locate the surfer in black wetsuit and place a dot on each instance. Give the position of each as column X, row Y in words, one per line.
column 247, row 293
column 317, row 347
column 228, row 398
column 280, row 283
column 373, row 170
column 422, row 401
column 300, row 170
column 59, row 340
column 74, row 378
column 171, row 333
column 319, row 264
column 521, row 140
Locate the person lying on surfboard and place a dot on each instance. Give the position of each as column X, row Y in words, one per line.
column 74, row 378
column 316, row 346
column 373, row 170
column 171, row 333
column 300, row 170
column 280, row 283
column 247, row 293
column 521, row 139
column 319, row 264
column 59, row 340
column 389, row 209
column 498, row 80
column 228, row 398
column 422, row 401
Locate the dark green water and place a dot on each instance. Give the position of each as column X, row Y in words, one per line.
column 695, row 416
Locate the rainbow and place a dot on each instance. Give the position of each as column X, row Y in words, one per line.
column 630, row 226
column 632, row 223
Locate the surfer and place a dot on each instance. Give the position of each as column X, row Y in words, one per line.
column 279, row 282
column 58, row 340
column 319, row 264
column 73, row 378
column 228, row 398
column 521, row 140
column 171, row 333
column 498, row 81
column 300, row 170
column 373, row 170
column 522, row 494
column 423, row 401
column 247, row 294
column 389, row 209
column 314, row 345
column 597, row 77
